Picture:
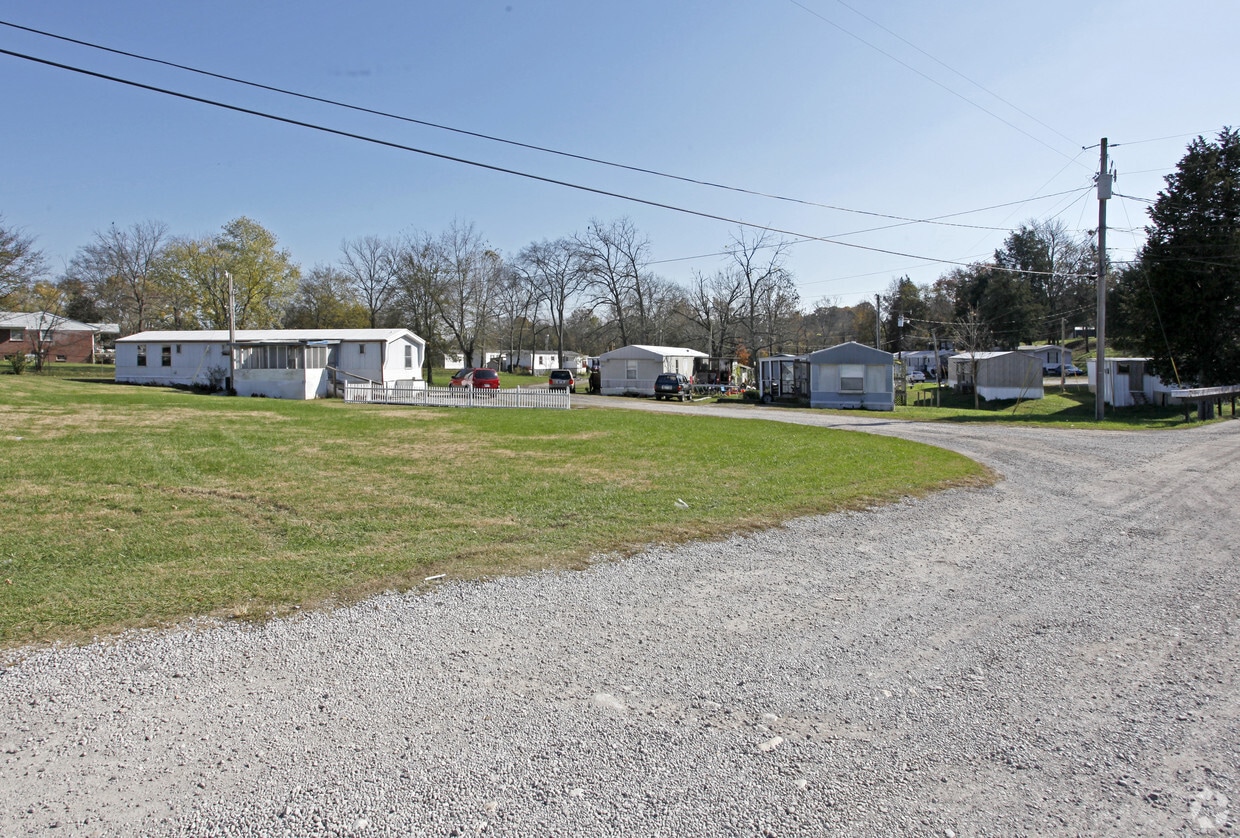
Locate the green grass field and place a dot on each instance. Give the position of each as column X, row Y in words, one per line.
column 1071, row 407
column 130, row 506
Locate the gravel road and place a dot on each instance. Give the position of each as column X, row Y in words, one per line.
column 1056, row 655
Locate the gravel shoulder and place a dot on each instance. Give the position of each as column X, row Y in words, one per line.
column 1054, row 655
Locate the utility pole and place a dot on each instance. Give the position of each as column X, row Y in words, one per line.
column 1063, row 365
column 232, row 337
column 1104, row 192
column 938, row 371
column 878, row 321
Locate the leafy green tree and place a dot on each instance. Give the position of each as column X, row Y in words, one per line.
column 264, row 277
column 325, row 300
column 80, row 303
column 1181, row 302
column 1059, row 268
column 904, row 316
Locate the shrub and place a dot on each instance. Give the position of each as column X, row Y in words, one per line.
column 17, row 361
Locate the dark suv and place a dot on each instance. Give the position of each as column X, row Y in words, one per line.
column 673, row 385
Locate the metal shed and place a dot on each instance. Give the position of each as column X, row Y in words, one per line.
column 999, row 375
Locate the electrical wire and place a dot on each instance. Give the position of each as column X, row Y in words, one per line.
column 952, row 69
column 1082, row 189
column 475, row 134
column 1195, row 134
column 930, row 79
column 477, row 164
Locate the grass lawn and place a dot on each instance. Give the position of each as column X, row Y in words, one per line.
column 506, row 379
column 131, row 506
column 1073, row 407
column 104, row 372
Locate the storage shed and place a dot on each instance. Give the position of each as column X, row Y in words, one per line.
column 278, row 363
column 852, row 375
column 631, row 370
column 1000, row 375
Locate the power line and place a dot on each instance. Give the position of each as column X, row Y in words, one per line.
column 930, row 79
column 464, row 161
column 468, row 133
column 932, row 219
column 952, row 69
column 1195, row 134
column 480, row 165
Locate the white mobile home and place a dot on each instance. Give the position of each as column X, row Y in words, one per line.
column 278, row 363
column 546, row 360
column 631, row 370
column 1000, row 375
column 1049, row 354
column 1128, row 383
column 925, row 360
column 852, row 375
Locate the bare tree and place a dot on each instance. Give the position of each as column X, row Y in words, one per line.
column 421, row 287
column 369, row 265
column 712, row 305
column 666, row 303
column 556, row 270
column 516, row 305
column 131, row 260
column 971, row 335
column 470, row 273
column 768, row 296
column 49, row 300
column 615, row 257
column 20, row 262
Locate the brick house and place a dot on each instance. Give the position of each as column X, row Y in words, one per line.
column 58, row 338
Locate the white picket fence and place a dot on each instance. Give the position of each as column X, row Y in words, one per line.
column 456, row 396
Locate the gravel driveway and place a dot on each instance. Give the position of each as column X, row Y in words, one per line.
column 1056, row 655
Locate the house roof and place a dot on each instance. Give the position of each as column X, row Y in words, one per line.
column 982, row 356
column 637, row 350
column 850, row 352
column 43, row 320
column 269, row 335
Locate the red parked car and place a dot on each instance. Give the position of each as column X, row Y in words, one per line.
column 479, row 379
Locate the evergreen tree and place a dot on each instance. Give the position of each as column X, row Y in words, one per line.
column 1181, row 302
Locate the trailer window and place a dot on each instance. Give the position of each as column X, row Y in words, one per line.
column 852, row 378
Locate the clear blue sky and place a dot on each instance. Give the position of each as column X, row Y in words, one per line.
column 807, row 100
